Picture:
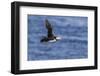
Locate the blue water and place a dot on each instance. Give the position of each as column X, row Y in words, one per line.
column 72, row 29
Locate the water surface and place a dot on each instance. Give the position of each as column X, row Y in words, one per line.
column 73, row 31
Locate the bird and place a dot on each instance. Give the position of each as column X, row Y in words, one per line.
column 50, row 36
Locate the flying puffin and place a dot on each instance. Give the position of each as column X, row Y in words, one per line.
column 50, row 36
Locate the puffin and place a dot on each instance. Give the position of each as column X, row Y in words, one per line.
column 50, row 36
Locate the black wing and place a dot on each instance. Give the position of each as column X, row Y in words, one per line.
column 49, row 28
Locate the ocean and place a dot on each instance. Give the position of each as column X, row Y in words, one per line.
column 73, row 31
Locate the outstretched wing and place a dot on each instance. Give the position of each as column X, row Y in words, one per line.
column 48, row 25
column 49, row 28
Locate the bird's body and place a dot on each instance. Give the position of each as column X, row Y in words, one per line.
column 50, row 36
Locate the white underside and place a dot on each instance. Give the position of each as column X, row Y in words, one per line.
column 57, row 38
column 53, row 40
